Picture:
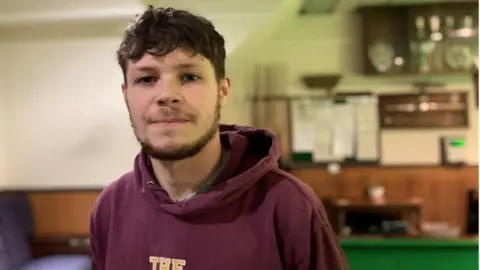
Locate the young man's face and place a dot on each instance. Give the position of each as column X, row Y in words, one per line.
column 174, row 103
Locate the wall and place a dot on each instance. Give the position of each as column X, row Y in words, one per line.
column 67, row 123
column 331, row 44
column 64, row 110
column 241, row 62
column 3, row 141
column 64, row 107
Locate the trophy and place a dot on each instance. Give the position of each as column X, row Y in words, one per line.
column 422, row 47
column 381, row 55
column 460, row 55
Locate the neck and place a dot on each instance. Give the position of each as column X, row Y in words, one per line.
column 183, row 177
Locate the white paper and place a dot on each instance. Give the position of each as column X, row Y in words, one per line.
column 323, row 131
column 343, row 131
column 333, row 132
column 367, row 146
column 367, row 116
column 367, row 132
column 303, row 128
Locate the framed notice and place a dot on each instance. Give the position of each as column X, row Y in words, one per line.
column 420, row 111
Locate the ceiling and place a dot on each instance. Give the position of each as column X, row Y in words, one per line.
column 30, row 6
column 13, row 12
column 47, row 19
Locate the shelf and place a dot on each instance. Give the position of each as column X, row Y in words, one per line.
column 367, row 206
column 321, row 81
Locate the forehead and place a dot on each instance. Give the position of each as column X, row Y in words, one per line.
column 178, row 58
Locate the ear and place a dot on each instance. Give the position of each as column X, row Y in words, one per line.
column 124, row 92
column 224, row 90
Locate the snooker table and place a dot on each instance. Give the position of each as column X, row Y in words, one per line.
column 411, row 253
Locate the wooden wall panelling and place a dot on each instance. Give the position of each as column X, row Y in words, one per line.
column 443, row 190
column 319, row 180
column 62, row 213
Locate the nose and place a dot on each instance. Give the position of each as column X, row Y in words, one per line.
column 168, row 92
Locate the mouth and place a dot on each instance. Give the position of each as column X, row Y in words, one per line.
column 169, row 122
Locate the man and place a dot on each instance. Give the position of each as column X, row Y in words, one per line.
column 201, row 196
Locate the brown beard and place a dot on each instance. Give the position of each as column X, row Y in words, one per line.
column 184, row 151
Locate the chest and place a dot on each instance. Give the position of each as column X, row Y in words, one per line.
column 161, row 241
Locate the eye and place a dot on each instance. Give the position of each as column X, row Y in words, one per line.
column 188, row 77
column 146, row 80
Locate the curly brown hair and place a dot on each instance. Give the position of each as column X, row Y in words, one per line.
column 159, row 31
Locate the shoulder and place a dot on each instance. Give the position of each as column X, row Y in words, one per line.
column 109, row 196
column 295, row 201
column 304, row 235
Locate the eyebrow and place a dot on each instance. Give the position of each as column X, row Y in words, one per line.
column 144, row 69
column 186, row 65
column 177, row 66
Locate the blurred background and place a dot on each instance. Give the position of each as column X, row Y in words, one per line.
column 375, row 103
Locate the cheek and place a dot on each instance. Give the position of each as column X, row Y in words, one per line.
column 137, row 109
column 202, row 103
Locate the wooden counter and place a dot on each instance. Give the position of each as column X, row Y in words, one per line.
column 443, row 190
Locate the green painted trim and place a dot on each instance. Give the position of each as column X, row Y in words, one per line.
column 409, row 242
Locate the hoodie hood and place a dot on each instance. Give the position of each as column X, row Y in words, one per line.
column 253, row 153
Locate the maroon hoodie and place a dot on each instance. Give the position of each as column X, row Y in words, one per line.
column 255, row 216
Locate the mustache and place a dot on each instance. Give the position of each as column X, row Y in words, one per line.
column 166, row 113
